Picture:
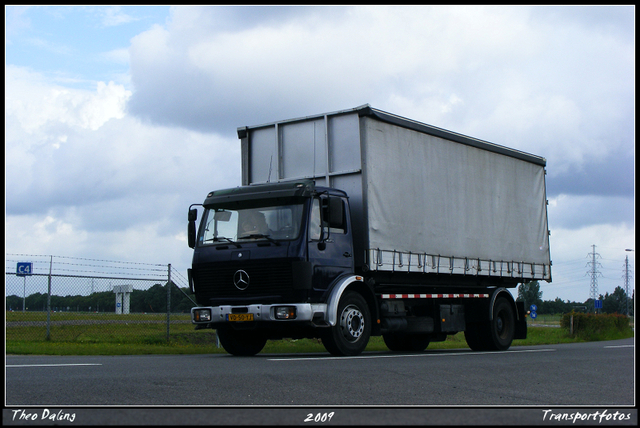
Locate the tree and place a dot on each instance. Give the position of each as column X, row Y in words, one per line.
column 155, row 299
column 530, row 293
column 152, row 300
column 557, row 306
column 616, row 302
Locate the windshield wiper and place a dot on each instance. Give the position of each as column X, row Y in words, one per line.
column 259, row 236
column 222, row 238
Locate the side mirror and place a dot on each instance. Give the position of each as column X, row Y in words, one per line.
column 191, row 227
column 193, row 214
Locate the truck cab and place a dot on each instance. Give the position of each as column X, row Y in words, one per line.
column 265, row 260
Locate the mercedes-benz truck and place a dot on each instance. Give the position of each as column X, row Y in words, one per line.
column 361, row 223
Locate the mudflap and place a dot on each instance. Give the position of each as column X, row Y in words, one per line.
column 521, row 322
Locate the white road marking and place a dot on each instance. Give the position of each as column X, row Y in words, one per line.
column 50, row 365
column 368, row 357
column 619, row 346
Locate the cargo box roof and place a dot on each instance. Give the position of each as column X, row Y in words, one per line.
column 367, row 110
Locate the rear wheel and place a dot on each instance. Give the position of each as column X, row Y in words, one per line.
column 243, row 343
column 495, row 334
column 476, row 340
column 351, row 333
column 400, row 342
column 502, row 326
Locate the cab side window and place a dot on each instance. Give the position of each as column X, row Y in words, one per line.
column 320, row 217
column 334, row 217
column 314, row 222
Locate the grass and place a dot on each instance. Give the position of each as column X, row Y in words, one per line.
column 111, row 334
column 546, row 319
column 16, row 316
column 183, row 341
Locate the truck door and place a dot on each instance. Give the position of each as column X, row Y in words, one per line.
column 330, row 247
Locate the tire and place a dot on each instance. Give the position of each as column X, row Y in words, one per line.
column 351, row 333
column 399, row 342
column 496, row 334
column 475, row 338
column 502, row 326
column 242, row 343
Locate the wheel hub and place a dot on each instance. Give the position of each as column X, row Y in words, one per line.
column 352, row 323
column 499, row 325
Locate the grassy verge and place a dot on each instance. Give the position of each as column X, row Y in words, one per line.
column 151, row 339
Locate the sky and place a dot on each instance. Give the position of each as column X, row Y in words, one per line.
column 119, row 118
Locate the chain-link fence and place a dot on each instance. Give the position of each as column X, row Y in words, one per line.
column 89, row 300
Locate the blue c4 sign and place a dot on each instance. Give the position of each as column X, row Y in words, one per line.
column 24, row 269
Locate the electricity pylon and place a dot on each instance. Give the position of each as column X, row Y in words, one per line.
column 627, row 277
column 594, row 273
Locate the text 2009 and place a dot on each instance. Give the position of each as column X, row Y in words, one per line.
column 319, row 417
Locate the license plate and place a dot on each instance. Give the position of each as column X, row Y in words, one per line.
column 239, row 317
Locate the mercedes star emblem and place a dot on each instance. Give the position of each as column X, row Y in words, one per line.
column 241, row 279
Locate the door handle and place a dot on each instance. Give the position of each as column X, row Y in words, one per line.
column 346, row 254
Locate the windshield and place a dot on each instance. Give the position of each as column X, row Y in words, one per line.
column 281, row 222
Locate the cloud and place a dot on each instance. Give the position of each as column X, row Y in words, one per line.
column 109, row 170
column 114, row 16
column 62, row 236
column 36, row 105
column 83, row 178
column 119, row 56
column 75, row 148
column 512, row 75
column 48, row 129
column 16, row 21
column 570, row 248
column 612, row 174
column 573, row 212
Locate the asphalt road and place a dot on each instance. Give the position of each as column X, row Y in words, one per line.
column 597, row 374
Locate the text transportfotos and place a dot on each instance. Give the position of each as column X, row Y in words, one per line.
column 599, row 416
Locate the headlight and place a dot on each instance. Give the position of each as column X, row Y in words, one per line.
column 200, row 315
column 285, row 312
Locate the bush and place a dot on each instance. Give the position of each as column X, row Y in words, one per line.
column 595, row 326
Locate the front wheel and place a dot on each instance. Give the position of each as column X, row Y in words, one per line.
column 351, row 333
column 244, row 343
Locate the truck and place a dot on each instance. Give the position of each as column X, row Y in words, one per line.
column 361, row 223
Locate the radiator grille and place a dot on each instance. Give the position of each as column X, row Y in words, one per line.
column 270, row 280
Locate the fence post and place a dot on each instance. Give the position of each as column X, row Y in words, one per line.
column 49, row 300
column 168, row 299
column 571, row 328
column 24, row 292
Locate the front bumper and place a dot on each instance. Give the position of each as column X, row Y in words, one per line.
column 290, row 312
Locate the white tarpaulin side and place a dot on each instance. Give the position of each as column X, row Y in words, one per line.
column 428, row 195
